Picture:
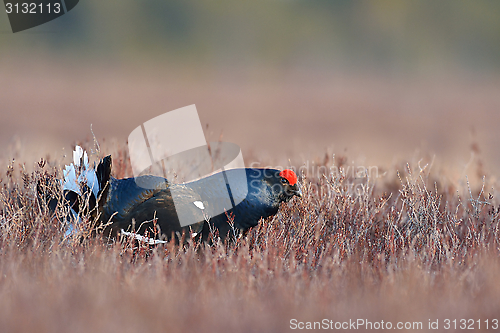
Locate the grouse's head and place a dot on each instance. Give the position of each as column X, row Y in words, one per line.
column 283, row 185
column 288, row 180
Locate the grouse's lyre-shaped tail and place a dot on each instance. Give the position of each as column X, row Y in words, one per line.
column 84, row 189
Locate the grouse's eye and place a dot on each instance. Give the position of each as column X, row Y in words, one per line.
column 284, row 181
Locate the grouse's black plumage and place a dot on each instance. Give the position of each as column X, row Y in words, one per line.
column 265, row 190
column 148, row 209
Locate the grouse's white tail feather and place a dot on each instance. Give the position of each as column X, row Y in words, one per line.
column 79, row 172
column 78, row 153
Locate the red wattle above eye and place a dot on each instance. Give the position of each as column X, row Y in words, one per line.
column 289, row 175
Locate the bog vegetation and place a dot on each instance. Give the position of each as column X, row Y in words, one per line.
column 412, row 248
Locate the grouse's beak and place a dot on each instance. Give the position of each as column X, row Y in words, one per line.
column 296, row 190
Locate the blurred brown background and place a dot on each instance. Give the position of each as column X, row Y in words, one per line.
column 378, row 81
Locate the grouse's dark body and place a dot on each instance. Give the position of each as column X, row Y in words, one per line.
column 147, row 209
column 144, row 205
column 265, row 190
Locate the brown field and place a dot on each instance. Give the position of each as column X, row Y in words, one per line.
column 415, row 249
column 411, row 243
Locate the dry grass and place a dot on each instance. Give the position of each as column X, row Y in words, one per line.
column 408, row 249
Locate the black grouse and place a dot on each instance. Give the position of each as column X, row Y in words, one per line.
column 144, row 206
